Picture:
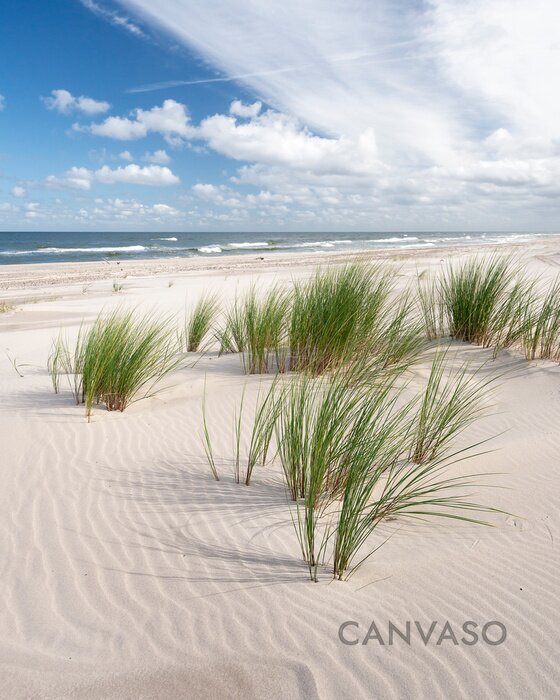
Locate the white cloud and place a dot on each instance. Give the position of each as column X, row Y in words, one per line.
column 271, row 137
column 75, row 178
column 165, row 209
column 18, row 191
column 277, row 139
column 2, row 103
column 387, row 103
column 131, row 212
column 114, row 18
column 64, row 102
column 239, row 109
column 171, row 120
column 126, row 155
column 160, row 156
column 138, row 175
column 82, row 178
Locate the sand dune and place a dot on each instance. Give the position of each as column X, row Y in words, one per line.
column 128, row 572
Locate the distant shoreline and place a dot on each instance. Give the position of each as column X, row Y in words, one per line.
column 50, row 274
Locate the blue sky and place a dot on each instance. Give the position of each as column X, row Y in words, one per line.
column 234, row 115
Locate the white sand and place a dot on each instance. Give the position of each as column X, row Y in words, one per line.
column 127, row 572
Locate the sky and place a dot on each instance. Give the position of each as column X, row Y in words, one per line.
column 323, row 115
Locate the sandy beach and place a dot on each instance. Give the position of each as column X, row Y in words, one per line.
column 129, row 572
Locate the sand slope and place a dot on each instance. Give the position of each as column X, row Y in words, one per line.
column 128, row 572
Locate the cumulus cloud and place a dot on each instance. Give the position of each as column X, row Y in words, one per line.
column 64, row 102
column 160, row 157
column 126, row 155
column 83, row 178
column 137, row 175
column 18, row 191
column 239, row 109
column 171, row 120
column 277, row 139
column 248, row 135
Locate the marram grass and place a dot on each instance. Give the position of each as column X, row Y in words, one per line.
column 255, row 326
column 540, row 336
column 199, row 322
column 117, row 360
column 335, row 314
column 355, row 453
column 451, row 401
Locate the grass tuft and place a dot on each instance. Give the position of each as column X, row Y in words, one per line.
column 120, row 356
column 200, row 321
column 255, row 326
column 540, row 337
column 334, row 315
column 474, row 295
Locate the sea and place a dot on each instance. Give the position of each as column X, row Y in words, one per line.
column 36, row 247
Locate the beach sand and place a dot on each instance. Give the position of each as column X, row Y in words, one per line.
column 128, row 572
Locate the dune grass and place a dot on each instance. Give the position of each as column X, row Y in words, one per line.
column 356, row 452
column 334, row 315
column 199, row 322
column 120, row 357
column 431, row 310
column 64, row 361
column 476, row 296
column 397, row 488
column 262, row 431
column 488, row 301
column 322, row 424
column 397, row 337
column 231, row 335
column 255, row 326
column 540, row 337
column 451, row 401
column 206, row 439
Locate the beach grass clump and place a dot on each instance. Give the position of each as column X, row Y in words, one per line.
column 356, row 452
column 540, row 337
column 476, row 299
column 334, row 315
column 452, row 400
column 199, row 322
column 119, row 357
column 323, row 424
column 255, row 326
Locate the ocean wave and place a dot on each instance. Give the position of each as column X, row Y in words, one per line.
column 61, row 251
column 171, row 238
column 394, row 239
column 210, row 249
column 248, row 244
column 321, row 244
